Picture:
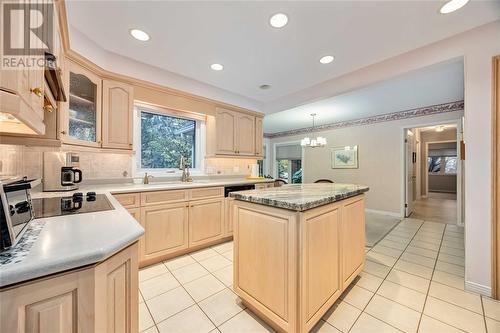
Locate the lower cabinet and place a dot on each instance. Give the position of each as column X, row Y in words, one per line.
column 178, row 221
column 102, row 298
column 353, row 239
column 166, row 230
column 228, row 206
column 205, row 221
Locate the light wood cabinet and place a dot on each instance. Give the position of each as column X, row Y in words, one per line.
column 245, row 134
column 228, row 224
column 80, row 123
column 128, row 200
column 102, row 298
column 232, row 133
column 353, row 241
column 259, row 136
column 166, row 230
column 177, row 221
column 225, row 132
column 206, row 219
column 291, row 267
column 264, row 185
column 117, row 115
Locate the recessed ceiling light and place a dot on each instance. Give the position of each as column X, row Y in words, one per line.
column 278, row 20
column 265, row 86
column 139, row 35
column 217, row 67
column 326, row 59
column 452, row 6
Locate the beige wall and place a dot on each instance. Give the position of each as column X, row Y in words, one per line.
column 380, row 153
column 425, row 138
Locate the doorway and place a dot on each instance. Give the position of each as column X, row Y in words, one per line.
column 288, row 162
column 433, row 173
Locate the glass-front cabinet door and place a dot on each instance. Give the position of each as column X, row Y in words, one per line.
column 81, row 117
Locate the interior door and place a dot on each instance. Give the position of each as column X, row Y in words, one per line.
column 410, row 171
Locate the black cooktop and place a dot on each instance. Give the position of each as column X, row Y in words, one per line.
column 78, row 203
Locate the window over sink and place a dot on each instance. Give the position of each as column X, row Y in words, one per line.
column 163, row 137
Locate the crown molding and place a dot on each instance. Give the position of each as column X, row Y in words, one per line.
column 412, row 113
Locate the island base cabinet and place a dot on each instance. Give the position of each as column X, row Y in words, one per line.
column 290, row 267
column 102, row 298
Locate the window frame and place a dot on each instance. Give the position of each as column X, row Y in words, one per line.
column 200, row 139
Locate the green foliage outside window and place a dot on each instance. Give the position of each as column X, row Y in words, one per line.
column 164, row 139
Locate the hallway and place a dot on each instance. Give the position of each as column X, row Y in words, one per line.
column 437, row 207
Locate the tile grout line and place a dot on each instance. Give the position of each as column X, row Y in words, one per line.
column 484, row 315
column 197, row 303
column 430, row 282
column 383, row 280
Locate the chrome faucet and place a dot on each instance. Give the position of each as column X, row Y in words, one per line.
column 146, row 178
column 183, row 165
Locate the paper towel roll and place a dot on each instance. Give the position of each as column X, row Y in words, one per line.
column 255, row 170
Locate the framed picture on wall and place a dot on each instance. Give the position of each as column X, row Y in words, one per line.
column 344, row 157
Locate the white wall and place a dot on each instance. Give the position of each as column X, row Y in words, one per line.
column 477, row 47
column 380, row 153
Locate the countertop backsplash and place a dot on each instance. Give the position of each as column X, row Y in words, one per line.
column 17, row 160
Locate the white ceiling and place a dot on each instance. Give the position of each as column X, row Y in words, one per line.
column 437, row 84
column 186, row 37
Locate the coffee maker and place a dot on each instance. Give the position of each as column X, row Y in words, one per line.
column 60, row 171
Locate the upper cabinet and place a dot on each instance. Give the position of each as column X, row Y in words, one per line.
column 259, row 136
column 117, row 115
column 232, row 133
column 99, row 113
column 245, row 134
column 225, row 143
column 81, row 115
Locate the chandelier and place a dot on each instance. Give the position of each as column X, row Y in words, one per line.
column 313, row 143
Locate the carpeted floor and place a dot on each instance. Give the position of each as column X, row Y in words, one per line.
column 377, row 226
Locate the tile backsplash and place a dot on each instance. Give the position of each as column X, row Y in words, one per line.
column 28, row 161
column 16, row 160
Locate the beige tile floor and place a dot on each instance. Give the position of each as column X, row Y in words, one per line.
column 413, row 281
column 437, row 207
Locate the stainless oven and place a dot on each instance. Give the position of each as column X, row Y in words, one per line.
column 16, row 210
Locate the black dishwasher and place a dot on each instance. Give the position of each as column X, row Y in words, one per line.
column 235, row 188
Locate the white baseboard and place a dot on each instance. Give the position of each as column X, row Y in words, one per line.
column 478, row 288
column 383, row 212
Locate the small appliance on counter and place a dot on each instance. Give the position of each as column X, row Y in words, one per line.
column 60, row 172
column 16, row 210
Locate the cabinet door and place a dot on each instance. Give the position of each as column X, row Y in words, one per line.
column 117, row 115
column 225, row 122
column 229, row 207
column 117, row 293
column 166, row 230
column 206, row 218
column 83, row 110
column 353, row 239
column 259, row 137
column 63, row 303
column 245, row 134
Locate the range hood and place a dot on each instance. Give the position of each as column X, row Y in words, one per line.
column 17, row 117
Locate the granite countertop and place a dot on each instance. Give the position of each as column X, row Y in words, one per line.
column 67, row 242
column 300, row 197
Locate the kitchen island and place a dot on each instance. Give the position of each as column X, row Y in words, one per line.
column 296, row 249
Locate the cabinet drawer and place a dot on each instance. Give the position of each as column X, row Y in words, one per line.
column 206, row 193
column 159, row 197
column 128, row 200
column 263, row 185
